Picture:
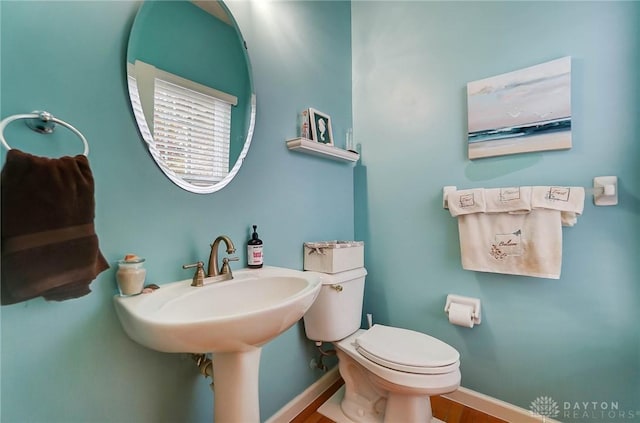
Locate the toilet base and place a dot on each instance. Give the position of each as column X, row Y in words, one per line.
column 332, row 410
column 376, row 394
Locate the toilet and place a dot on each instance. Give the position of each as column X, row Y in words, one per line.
column 389, row 373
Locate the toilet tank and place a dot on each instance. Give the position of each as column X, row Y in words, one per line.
column 337, row 311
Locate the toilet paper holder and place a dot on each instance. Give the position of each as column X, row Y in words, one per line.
column 473, row 302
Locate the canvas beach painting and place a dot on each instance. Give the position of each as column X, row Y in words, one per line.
column 522, row 111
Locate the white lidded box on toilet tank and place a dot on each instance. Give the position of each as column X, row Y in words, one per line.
column 333, row 256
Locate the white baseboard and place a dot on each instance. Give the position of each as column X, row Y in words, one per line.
column 302, row 401
column 494, row 407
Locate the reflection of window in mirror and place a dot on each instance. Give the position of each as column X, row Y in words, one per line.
column 190, row 123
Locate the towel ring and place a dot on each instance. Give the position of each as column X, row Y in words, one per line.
column 43, row 122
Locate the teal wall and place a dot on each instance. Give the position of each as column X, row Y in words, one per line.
column 573, row 339
column 71, row 362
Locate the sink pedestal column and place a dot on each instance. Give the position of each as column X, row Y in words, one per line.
column 235, row 376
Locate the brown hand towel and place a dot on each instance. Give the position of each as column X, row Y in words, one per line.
column 49, row 245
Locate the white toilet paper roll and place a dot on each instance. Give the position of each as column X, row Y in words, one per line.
column 461, row 315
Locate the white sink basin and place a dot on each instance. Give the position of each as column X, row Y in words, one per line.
column 230, row 316
column 231, row 319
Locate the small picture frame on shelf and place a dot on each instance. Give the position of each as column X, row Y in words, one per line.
column 320, row 127
column 305, row 130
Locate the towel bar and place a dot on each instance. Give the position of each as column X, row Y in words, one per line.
column 604, row 190
column 445, row 194
column 43, row 122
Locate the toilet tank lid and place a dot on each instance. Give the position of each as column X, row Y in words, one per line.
column 334, row 244
column 342, row 277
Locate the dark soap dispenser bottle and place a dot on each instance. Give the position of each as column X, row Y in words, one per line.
column 255, row 257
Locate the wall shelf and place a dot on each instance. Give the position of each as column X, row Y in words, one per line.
column 304, row 145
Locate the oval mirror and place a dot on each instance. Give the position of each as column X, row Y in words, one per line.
column 191, row 90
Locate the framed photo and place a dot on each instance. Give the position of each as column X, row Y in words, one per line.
column 320, row 127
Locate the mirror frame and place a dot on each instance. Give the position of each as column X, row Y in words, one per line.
column 147, row 136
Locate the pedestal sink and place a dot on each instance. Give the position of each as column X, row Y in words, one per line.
column 231, row 319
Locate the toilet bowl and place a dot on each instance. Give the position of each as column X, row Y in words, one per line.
column 389, row 372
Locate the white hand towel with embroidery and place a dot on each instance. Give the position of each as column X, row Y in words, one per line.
column 510, row 200
column 466, row 201
column 569, row 200
column 515, row 234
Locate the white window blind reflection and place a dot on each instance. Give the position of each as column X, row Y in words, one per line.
column 192, row 132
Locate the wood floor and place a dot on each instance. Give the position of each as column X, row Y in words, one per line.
column 453, row 412
column 310, row 415
column 443, row 409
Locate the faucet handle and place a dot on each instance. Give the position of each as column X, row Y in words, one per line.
column 198, row 277
column 225, row 265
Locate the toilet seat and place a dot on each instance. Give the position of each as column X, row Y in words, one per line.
column 407, row 351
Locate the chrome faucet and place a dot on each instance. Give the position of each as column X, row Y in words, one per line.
column 213, row 258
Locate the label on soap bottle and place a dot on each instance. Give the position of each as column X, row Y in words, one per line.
column 254, row 255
